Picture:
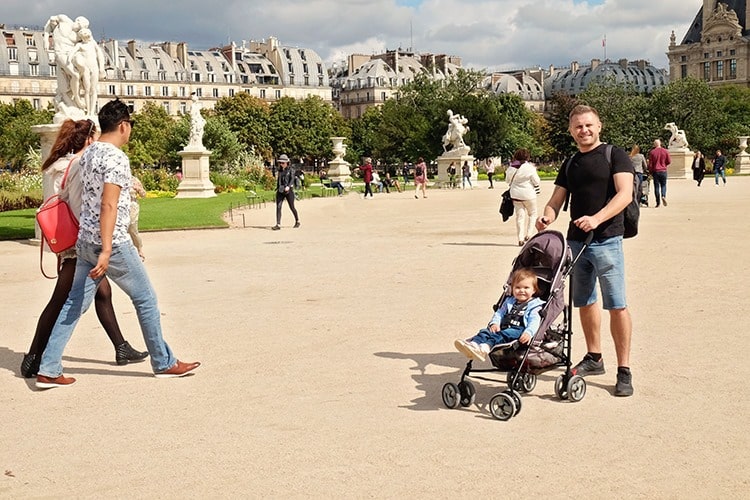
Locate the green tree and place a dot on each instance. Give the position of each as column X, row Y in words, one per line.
column 248, row 118
column 694, row 107
column 303, row 128
column 734, row 104
column 363, row 135
column 218, row 138
column 152, row 137
column 16, row 137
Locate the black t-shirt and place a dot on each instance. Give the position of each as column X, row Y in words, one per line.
column 589, row 180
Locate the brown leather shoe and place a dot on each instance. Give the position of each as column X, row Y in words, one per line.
column 43, row 382
column 180, row 369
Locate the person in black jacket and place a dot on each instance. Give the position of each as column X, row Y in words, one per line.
column 699, row 167
column 285, row 190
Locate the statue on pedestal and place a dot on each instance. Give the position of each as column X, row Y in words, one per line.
column 678, row 139
column 197, row 123
column 454, row 137
column 80, row 64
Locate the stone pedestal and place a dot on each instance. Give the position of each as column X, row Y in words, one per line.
column 48, row 134
column 682, row 163
column 338, row 168
column 195, row 179
column 742, row 160
column 458, row 158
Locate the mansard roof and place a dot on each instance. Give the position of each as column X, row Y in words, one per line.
column 643, row 76
column 696, row 28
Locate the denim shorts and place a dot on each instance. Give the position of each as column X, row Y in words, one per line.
column 603, row 260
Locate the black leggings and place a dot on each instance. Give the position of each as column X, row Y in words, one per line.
column 489, row 177
column 368, row 189
column 289, row 197
column 102, row 303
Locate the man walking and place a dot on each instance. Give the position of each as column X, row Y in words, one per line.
column 600, row 188
column 720, row 167
column 658, row 162
column 104, row 247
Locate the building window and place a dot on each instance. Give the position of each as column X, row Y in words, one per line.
column 307, row 80
column 706, row 55
column 320, row 68
column 262, row 93
column 278, row 94
column 37, row 104
column 52, row 70
column 216, row 93
column 131, row 106
column 147, row 90
column 291, row 79
column 29, row 40
column 165, row 91
column 732, row 69
column 183, row 108
column 707, row 71
column 291, row 67
column 231, row 92
column 165, row 105
column 732, row 52
column 199, row 92
column 683, row 59
column 304, row 68
column 12, row 54
column 111, row 89
column 382, row 96
column 196, row 77
column 683, row 71
column 129, row 90
column 719, row 53
column 34, row 69
column 719, row 70
column 182, row 92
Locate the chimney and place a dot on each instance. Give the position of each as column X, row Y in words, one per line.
column 623, row 63
column 574, row 66
column 182, row 54
column 595, row 63
column 131, row 48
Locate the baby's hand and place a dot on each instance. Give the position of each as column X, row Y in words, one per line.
column 494, row 328
column 525, row 338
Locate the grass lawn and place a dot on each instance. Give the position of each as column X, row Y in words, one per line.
column 156, row 214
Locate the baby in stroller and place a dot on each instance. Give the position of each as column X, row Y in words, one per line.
column 517, row 318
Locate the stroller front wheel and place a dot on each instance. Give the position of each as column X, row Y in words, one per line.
column 502, row 406
column 451, row 395
column 468, row 393
column 561, row 387
column 576, row 388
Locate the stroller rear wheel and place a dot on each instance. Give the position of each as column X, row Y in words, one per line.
column 516, row 400
column 561, row 387
column 451, row 395
column 468, row 393
column 502, row 406
column 529, row 382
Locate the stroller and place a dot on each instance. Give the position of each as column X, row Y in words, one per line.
column 645, row 189
column 547, row 253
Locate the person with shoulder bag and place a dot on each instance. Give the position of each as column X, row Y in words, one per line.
column 524, row 185
column 73, row 138
column 285, row 191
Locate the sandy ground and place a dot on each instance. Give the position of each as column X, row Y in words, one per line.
column 325, row 349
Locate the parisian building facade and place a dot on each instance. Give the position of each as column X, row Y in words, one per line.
column 716, row 47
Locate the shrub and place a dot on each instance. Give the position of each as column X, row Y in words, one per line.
column 157, row 179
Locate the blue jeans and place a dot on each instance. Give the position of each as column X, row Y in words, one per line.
column 660, row 186
column 603, row 260
column 485, row 336
column 127, row 271
column 720, row 173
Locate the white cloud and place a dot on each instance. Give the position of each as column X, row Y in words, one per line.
column 484, row 33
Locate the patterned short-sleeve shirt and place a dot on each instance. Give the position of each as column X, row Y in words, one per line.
column 102, row 163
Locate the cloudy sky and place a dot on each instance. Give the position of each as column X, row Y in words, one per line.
column 486, row 34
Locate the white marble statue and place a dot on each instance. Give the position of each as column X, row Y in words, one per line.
column 457, row 128
column 80, row 64
column 678, row 140
column 197, row 123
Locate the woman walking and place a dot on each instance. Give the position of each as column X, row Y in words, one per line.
column 466, row 175
column 420, row 178
column 699, row 167
column 523, row 181
column 285, row 191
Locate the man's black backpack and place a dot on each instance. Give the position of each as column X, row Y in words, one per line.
column 632, row 211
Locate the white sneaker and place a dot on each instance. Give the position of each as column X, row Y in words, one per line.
column 470, row 349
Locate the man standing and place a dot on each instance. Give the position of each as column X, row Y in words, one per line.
column 104, row 247
column 720, row 167
column 599, row 192
column 658, row 161
column 285, row 191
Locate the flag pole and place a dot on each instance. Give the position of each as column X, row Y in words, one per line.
column 604, row 45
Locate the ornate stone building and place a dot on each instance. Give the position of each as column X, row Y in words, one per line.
column 716, row 48
column 165, row 74
column 366, row 81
